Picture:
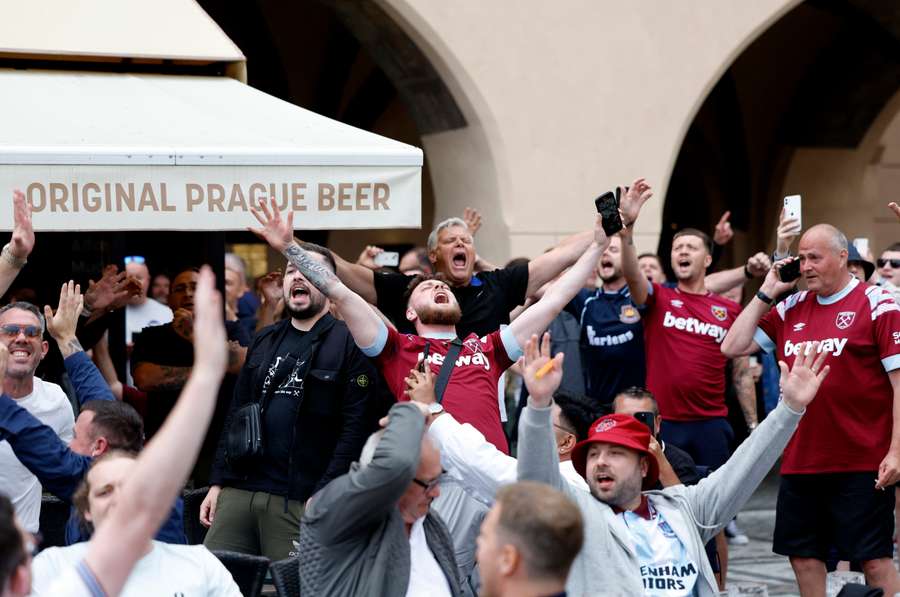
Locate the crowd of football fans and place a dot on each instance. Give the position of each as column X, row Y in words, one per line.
column 579, row 422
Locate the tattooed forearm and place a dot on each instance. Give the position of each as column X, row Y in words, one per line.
column 70, row 347
column 745, row 389
column 313, row 270
column 153, row 377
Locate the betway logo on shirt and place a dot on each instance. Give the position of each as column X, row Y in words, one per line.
column 835, row 345
column 695, row 326
column 462, row 360
column 609, row 339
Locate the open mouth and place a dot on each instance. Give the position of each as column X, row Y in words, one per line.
column 606, row 264
column 605, row 481
column 441, row 298
column 20, row 353
column 683, row 263
column 459, row 259
column 298, row 291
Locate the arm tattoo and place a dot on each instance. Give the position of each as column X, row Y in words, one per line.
column 70, row 347
column 173, row 378
column 317, row 273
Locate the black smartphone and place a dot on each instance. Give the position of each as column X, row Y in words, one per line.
column 608, row 207
column 425, row 352
column 790, row 271
column 647, row 418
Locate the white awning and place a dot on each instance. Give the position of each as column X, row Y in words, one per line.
column 109, row 151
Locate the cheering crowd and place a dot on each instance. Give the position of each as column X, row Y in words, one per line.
column 571, row 424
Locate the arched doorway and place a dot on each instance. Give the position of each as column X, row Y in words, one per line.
column 801, row 110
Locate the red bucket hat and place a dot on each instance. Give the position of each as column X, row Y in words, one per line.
column 622, row 430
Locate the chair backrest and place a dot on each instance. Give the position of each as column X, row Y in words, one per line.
column 249, row 572
column 193, row 530
column 54, row 516
column 286, row 577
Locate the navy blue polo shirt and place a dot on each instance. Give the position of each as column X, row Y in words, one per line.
column 612, row 342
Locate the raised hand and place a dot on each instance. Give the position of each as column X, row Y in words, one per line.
column 759, row 264
column 723, row 232
column 278, row 232
column 210, row 340
column 183, row 322
column 22, row 241
column 542, row 374
column 62, row 324
column 634, row 198
column 894, row 208
column 112, row 291
column 600, row 234
column 367, row 257
column 270, row 288
column 472, row 218
column 800, row 384
column 786, row 232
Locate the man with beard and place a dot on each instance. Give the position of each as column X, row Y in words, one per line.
column 641, row 542
column 315, row 391
column 162, row 360
column 470, row 390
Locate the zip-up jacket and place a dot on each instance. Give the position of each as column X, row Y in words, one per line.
column 332, row 421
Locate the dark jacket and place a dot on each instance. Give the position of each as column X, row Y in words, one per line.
column 332, row 422
column 353, row 539
column 59, row 469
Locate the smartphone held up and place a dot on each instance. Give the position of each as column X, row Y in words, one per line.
column 608, row 208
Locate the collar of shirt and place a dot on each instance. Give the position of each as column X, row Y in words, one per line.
column 643, row 509
column 831, row 299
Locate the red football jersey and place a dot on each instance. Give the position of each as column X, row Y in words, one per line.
column 685, row 366
column 471, row 393
column 848, row 426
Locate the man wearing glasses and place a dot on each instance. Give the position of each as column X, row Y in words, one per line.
column 371, row 530
column 22, row 330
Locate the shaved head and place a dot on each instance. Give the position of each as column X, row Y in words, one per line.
column 828, row 234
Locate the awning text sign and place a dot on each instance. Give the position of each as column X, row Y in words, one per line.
column 213, row 197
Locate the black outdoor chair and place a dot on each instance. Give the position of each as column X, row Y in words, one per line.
column 286, row 577
column 249, row 572
column 193, row 530
column 54, row 515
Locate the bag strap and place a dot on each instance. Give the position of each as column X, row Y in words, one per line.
column 446, row 369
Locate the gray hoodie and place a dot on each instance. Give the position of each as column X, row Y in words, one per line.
column 352, row 536
column 607, row 564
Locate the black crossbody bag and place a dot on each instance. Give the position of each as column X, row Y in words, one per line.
column 244, row 442
column 446, row 369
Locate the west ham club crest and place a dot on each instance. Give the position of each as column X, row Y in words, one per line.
column 844, row 319
column 720, row 313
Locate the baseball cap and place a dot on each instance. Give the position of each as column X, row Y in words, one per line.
column 622, row 430
column 853, row 255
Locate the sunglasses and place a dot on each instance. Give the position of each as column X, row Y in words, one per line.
column 895, row 263
column 429, row 485
column 135, row 259
column 11, row 330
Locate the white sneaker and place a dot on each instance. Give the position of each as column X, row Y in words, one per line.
column 735, row 535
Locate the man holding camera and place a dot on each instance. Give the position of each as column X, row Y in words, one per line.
column 847, row 449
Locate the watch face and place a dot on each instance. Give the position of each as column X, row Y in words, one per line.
column 434, row 408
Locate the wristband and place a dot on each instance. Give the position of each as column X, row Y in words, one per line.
column 747, row 273
column 764, row 297
column 8, row 257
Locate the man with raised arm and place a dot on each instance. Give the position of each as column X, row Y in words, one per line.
column 847, row 448
column 471, row 389
column 144, row 498
column 683, row 328
column 485, row 298
column 640, row 542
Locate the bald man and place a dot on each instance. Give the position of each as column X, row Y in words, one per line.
column 847, row 447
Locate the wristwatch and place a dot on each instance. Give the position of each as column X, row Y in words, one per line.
column 435, row 408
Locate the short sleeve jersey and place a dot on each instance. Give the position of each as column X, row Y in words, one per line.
column 612, row 342
column 683, row 333
column 485, row 303
column 471, row 392
column 847, row 427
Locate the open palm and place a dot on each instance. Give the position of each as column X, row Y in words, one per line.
column 800, row 384
column 278, row 232
column 541, row 383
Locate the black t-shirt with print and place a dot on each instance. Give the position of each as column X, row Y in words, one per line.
column 485, row 302
column 284, row 385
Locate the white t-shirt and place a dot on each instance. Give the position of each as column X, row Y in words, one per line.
column 667, row 569
column 184, row 570
column 138, row 317
column 426, row 579
column 50, row 405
